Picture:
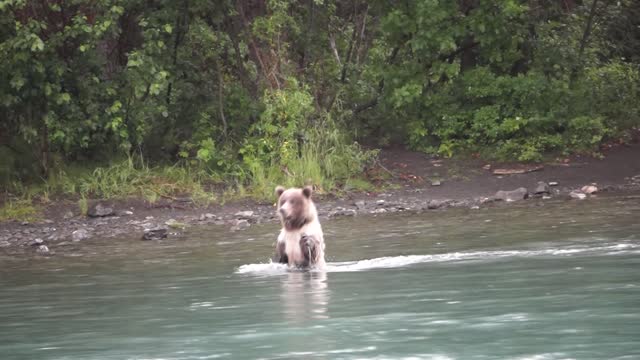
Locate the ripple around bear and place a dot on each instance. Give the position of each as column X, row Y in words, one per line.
column 301, row 241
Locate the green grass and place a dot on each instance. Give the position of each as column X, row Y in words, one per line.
column 22, row 210
column 128, row 178
column 328, row 165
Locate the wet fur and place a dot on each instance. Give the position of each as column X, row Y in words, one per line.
column 301, row 241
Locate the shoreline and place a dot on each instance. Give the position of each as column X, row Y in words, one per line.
column 420, row 184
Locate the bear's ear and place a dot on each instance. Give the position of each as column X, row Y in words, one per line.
column 307, row 190
column 279, row 190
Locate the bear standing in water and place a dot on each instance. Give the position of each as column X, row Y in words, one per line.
column 301, row 242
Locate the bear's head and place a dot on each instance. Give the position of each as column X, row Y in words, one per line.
column 295, row 207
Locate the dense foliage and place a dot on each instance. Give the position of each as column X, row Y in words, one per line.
column 261, row 92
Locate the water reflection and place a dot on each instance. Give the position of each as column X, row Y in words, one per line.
column 305, row 296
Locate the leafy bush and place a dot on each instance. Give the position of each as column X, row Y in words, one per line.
column 292, row 145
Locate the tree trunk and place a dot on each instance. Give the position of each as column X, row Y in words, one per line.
column 221, row 99
column 583, row 43
column 44, row 149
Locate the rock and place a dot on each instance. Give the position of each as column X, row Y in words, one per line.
column 379, row 211
column 174, row 224
column 206, row 216
column 577, row 195
column 100, row 211
column 380, row 202
column 340, row 211
column 79, row 235
column 436, row 183
column 42, row 249
column 240, row 224
column 513, row 195
column 24, row 223
column 360, row 205
column 68, row 215
column 48, row 221
column 244, row 214
column 37, row 242
column 553, row 183
column 437, row 204
column 156, row 233
column 589, row 189
column 542, row 188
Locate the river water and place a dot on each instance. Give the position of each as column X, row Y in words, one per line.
column 538, row 280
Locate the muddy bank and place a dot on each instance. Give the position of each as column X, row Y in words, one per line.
column 417, row 183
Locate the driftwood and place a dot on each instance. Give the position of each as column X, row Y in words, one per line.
column 520, row 170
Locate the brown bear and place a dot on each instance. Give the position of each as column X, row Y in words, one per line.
column 301, row 242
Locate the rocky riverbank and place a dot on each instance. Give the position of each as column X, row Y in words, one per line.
column 418, row 184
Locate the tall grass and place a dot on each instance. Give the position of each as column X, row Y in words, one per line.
column 327, row 160
column 131, row 177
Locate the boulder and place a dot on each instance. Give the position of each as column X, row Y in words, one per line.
column 512, row 195
column 360, row 205
column 99, row 210
column 589, row 189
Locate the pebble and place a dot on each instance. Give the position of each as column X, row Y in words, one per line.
column 36, row 242
column 42, row 249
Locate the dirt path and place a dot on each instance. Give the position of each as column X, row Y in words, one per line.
column 418, row 183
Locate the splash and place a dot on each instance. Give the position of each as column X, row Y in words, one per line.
column 391, row 262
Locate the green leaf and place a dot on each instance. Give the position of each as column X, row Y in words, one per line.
column 64, row 98
column 17, row 82
column 37, row 44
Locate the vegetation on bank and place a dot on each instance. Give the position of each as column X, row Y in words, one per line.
column 238, row 96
